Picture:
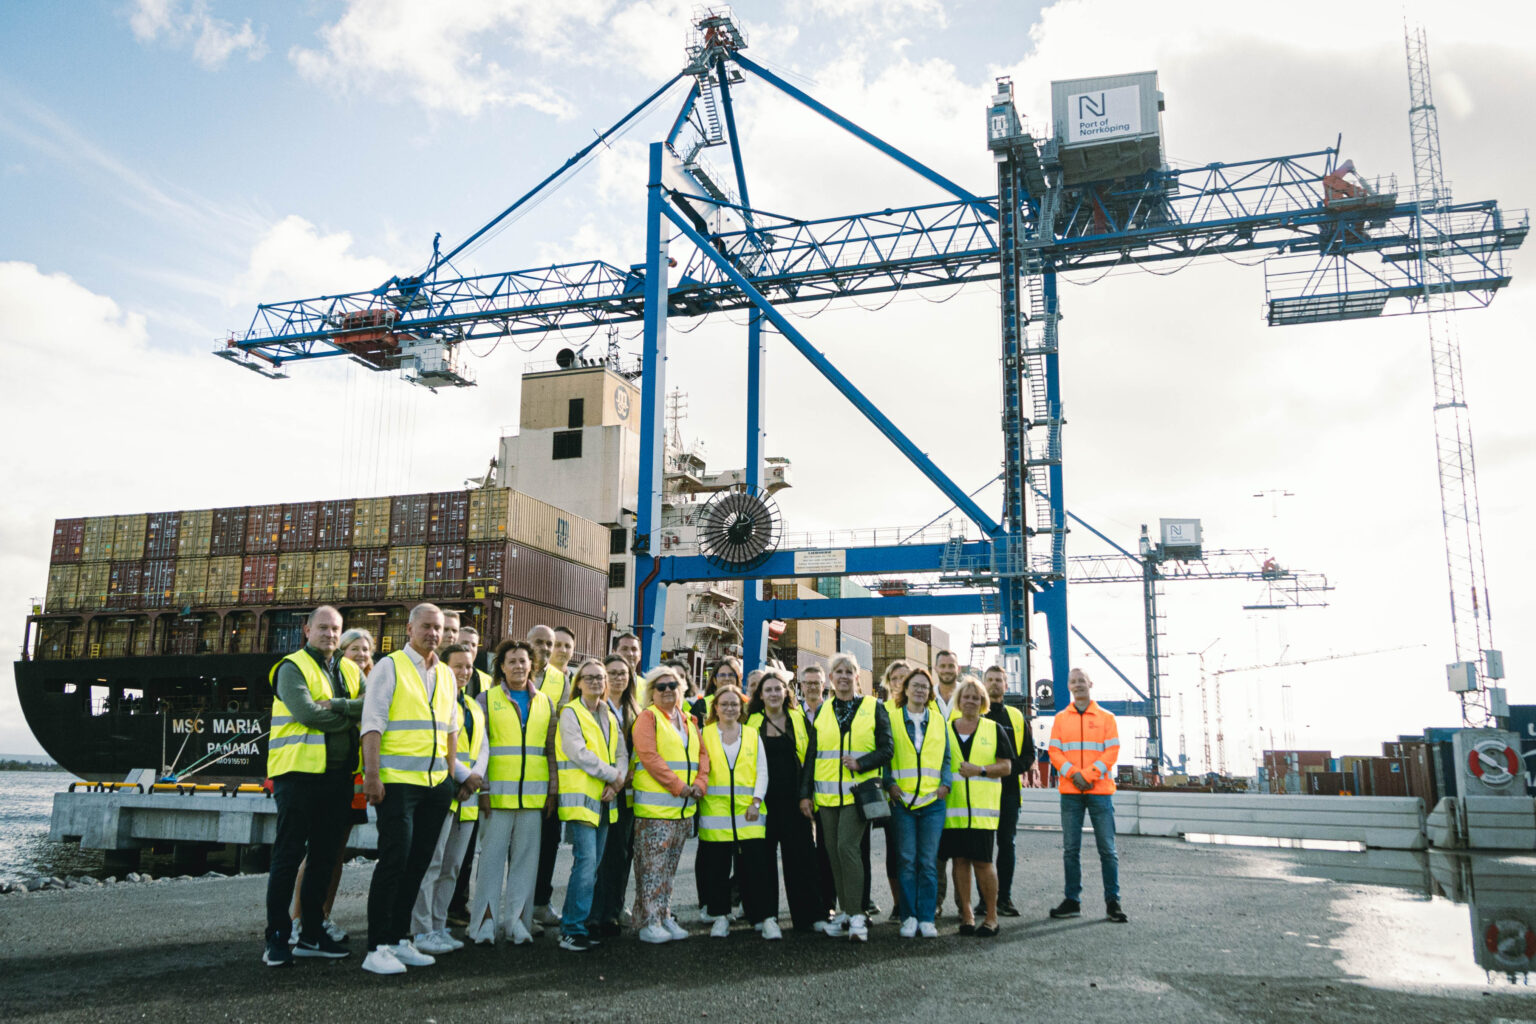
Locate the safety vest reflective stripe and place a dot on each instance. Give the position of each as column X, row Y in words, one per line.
column 834, row 782
column 294, row 746
column 518, row 774
column 1085, row 745
column 974, row 803
column 722, row 812
column 413, row 748
column 581, row 794
column 681, row 754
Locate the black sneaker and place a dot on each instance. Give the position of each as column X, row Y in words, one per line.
column 277, row 954
column 1007, row 909
column 575, row 943
column 1067, row 908
column 1114, row 913
column 324, row 946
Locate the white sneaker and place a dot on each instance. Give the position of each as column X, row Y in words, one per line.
column 836, row 928
column 909, row 928
column 705, row 917
column 519, row 934
column 928, row 930
column 430, row 944
column 770, row 929
column 383, row 961
column 546, row 915
column 721, row 929
column 655, row 933
column 445, row 935
column 674, row 929
column 485, row 935
column 407, row 953
column 335, row 931
column 293, row 934
column 858, row 928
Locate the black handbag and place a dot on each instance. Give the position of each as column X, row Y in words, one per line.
column 870, row 799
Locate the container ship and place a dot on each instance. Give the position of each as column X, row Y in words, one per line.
column 158, row 630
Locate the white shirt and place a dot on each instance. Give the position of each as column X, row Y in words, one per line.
column 381, row 692
column 760, row 788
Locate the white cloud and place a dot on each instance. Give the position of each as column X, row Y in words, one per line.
column 213, row 40
column 294, row 259
column 445, row 56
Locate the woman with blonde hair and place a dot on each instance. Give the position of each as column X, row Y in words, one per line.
column 671, row 772
column 981, row 755
column 732, row 829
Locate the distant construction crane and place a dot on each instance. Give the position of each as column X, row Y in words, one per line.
column 1471, row 611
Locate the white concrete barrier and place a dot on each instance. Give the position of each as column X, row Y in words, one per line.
column 126, row 820
column 1442, row 825
column 1499, row 822
column 1387, row 822
column 1041, row 808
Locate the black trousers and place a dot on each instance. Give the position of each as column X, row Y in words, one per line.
column 790, row 841
column 868, row 875
column 549, row 845
column 753, row 867
column 410, row 819
column 314, row 817
column 1007, row 834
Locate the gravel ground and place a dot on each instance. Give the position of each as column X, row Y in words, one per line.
column 1216, row 934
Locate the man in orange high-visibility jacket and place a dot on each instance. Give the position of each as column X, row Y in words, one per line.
column 1084, row 747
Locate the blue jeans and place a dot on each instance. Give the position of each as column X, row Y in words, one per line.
column 916, row 834
column 1101, row 810
column 586, row 849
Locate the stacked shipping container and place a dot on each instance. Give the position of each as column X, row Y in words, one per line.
column 447, row 546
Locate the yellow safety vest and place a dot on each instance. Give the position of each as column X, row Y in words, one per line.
column 581, row 795
column 518, row 775
column 474, row 728
column 555, row 686
column 414, row 747
column 294, row 746
column 484, row 677
column 722, row 812
column 681, row 753
column 834, row 783
column 1020, row 732
column 797, row 725
column 978, row 802
column 917, row 772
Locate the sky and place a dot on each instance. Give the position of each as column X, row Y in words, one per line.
column 165, row 165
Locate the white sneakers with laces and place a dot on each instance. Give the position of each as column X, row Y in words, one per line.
column 406, row 952
column 721, row 928
column 928, row 930
column 518, row 933
column 909, row 928
column 770, row 929
column 382, row 960
column 334, row 930
column 675, row 930
column 432, row 944
column 655, row 933
column 858, row 928
column 836, row 928
column 446, row 936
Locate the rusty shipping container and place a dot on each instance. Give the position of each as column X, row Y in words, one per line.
column 331, row 574
column 191, row 582
column 128, row 537
column 224, row 574
column 300, row 523
column 228, row 532
column 485, row 566
column 258, row 579
column 295, row 577
column 333, row 530
column 369, row 574
column 448, row 518
column 124, row 586
column 159, row 583
column 162, row 535
column 408, row 515
column 496, row 513
column 96, row 539
column 195, row 535
column 370, row 522
column 445, row 577
column 554, row 582
column 263, row 529
column 68, row 540
column 63, row 593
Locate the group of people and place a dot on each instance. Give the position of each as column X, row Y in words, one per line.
column 475, row 776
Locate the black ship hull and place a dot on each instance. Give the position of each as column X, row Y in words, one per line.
column 102, row 718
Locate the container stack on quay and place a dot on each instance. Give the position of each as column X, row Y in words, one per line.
column 237, row 580
column 1421, row 766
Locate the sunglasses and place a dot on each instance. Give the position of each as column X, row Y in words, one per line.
column 663, row 687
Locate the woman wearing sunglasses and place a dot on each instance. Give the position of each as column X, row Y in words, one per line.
column 671, row 773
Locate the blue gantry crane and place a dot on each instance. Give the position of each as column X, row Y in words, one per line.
column 1330, row 253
